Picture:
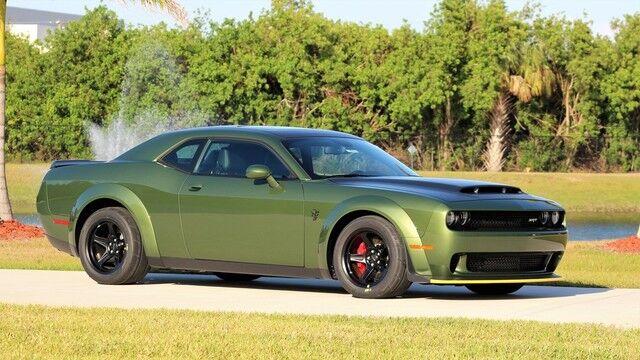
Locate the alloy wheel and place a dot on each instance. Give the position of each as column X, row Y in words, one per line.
column 366, row 258
column 107, row 247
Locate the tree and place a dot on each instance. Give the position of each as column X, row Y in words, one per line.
column 566, row 124
column 5, row 204
column 171, row 6
column 621, row 87
column 526, row 76
column 448, row 34
column 494, row 53
column 480, row 87
column 82, row 74
column 25, row 87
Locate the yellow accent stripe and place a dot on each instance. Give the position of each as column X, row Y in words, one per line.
column 494, row 281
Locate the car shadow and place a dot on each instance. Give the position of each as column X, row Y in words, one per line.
column 438, row 292
column 266, row 283
column 433, row 292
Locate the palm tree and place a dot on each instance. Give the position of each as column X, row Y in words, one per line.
column 494, row 156
column 534, row 78
column 171, row 6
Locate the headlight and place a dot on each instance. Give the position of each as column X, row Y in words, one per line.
column 457, row 218
column 463, row 217
column 451, row 218
column 544, row 217
column 555, row 217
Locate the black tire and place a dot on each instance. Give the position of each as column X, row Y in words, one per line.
column 236, row 277
column 385, row 280
column 494, row 289
column 112, row 228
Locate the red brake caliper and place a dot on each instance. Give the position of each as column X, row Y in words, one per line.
column 361, row 250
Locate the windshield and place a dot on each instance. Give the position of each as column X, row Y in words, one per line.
column 325, row 157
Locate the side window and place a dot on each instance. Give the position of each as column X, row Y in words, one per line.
column 184, row 157
column 232, row 158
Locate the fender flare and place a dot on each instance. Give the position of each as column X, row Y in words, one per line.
column 129, row 200
column 386, row 208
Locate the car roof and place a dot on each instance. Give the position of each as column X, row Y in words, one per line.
column 155, row 146
column 283, row 132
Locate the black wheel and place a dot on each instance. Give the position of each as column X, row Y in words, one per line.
column 236, row 277
column 110, row 247
column 370, row 259
column 494, row 289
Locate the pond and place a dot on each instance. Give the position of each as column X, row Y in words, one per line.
column 602, row 226
column 582, row 226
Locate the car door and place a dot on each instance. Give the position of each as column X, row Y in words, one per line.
column 226, row 216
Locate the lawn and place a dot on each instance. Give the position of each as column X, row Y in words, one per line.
column 51, row 332
column 35, row 254
column 579, row 192
column 24, row 181
column 584, row 264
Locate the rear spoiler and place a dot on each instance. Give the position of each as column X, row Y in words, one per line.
column 62, row 163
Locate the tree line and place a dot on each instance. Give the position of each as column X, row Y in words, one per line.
column 480, row 87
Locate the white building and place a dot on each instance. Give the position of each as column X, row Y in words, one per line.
column 35, row 24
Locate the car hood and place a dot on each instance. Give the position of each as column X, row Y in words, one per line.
column 443, row 189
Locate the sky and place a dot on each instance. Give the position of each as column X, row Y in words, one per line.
column 390, row 14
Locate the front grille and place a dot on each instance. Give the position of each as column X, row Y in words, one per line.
column 507, row 220
column 507, row 262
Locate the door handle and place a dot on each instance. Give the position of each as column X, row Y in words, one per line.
column 195, row 187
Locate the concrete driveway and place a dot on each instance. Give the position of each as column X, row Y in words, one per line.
column 619, row 307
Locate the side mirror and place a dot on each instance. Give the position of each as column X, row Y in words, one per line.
column 261, row 172
column 258, row 172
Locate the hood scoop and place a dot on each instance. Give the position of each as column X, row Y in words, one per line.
column 490, row 189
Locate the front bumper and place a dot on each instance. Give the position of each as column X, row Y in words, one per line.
column 443, row 260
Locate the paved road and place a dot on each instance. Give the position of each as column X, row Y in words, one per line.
column 619, row 307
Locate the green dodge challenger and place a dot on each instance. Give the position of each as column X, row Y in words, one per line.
column 243, row 202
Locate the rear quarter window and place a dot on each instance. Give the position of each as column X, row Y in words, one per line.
column 184, row 156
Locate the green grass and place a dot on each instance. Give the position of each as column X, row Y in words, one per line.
column 24, row 181
column 584, row 263
column 51, row 332
column 36, row 254
column 577, row 192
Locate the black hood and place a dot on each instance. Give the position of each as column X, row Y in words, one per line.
column 439, row 188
